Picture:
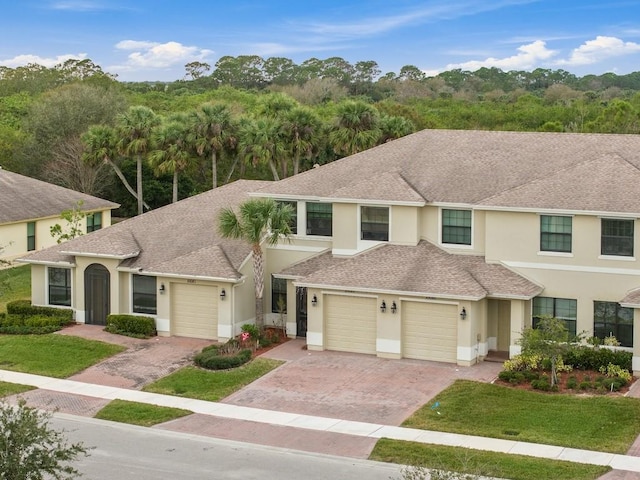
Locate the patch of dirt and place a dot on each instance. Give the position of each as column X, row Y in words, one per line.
column 564, row 378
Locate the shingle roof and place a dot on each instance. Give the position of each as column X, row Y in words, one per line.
column 485, row 167
column 178, row 239
column 631, row 299
column 24, row 198
column 424, row 270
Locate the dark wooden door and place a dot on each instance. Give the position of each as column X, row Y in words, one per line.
column 96, row 294
column 301, row 311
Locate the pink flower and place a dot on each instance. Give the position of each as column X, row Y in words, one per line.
column 244, row 336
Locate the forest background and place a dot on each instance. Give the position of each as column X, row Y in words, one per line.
column 146, row 144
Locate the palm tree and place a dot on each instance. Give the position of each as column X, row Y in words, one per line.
column 213, row 131
column 356, row 128
column 395, row 127
column 302, row 128
column 261, row 141
column 134, row 130
column 258, row 220
column 171, row 154
column 100, row 147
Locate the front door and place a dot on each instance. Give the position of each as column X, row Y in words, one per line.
column 96, row 294
column 301, row 311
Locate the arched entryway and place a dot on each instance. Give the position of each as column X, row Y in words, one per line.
column 96, row 294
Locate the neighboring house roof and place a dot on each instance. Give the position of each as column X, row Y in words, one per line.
column 559, row 171
column 424, row 270
column 24, row 199
column 631, row 299
column 180, row 239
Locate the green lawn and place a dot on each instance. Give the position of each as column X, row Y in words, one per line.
column 7, row 389
column 211, row 385
column 137, row 413
column 476, row 462
column 603, row 423
column 52, row 355
column 19, row 285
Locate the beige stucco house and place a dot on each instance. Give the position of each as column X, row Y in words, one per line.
column 442, row 245
column 30, row 207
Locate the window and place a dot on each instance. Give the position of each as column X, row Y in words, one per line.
column 374, row 223
column 560, row 308
column 617, row 237
column 278, row 295
column 31, row 236
column 456, row 227
column 609, row 318
column 60, row 286
column 555, row 234
column 293, row 224
column 319, row 219
column 94, row 222
column 144, row 295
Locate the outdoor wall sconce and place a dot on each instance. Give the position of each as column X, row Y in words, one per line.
column 463, row 313
column 314, row 300
column 383, row 306
column 223, row 294
column 393, row 307
column 161, row 289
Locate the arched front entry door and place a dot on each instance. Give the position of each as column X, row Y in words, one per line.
column 96, row 294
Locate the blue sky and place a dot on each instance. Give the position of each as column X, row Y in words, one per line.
column 154, row 39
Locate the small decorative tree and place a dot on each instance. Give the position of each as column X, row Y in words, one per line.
column 550, row 339
column 30, row 449
column 73, row 219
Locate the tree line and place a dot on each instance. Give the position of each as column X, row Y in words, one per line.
column 145, row 144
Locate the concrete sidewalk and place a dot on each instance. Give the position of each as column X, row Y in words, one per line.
column 325, row 424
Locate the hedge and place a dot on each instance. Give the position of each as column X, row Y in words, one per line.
column 36, row 324
column 212, row 359
column 131, row 325
column 25, row 309
column 589, row 358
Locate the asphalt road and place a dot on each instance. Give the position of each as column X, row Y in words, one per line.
column 127, row 452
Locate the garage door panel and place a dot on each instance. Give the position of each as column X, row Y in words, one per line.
column 194, row 311
column 429, row 331
column 350, row 324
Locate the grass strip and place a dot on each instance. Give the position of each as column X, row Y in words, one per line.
column 136, row 413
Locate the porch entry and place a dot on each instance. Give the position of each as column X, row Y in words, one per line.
column 96, row 294
column 301, row 311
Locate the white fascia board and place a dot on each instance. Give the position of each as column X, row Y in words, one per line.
column 377, row 291
column 193, row 277
column 367, row 201
column 101, row 255
column 45, row 262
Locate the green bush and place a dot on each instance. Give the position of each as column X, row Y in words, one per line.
column 572, row 382
column 25, row 309
column 37, row 324
column 131, row 325
column 212, row 359
column 588, row 358
column 252, row 330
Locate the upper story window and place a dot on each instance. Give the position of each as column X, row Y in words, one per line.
column 561, row 308
column 456, row 227
column 319, row 219
column 555, row 233
column 278, row 295
column 59, row 286
column 31, row 236
column 94, row 222
column 293, row 224
column 610, row 319
column 617, row 237
column 374, row 223
column 144, row 295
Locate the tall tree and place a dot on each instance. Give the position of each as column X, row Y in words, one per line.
column 258, row 220
column 262, row 142
column 171, row 154
column 134, row 130
column 212, row 131
column 302, row 128
column 356, row 128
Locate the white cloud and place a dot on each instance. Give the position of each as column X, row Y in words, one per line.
column 527, row 58
column 601, row 48
column 77, row 5
column 150, row 55
column 21, row 60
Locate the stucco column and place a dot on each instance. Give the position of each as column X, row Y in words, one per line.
column 518, row 315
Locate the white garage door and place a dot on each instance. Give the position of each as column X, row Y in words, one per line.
column 350, row 324
column 194, row 311
column 429, row 331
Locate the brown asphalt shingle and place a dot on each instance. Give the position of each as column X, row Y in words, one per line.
column 25, row 199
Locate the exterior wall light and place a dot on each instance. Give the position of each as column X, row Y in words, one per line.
column 463, row 313
column 314, row 300
column 161, row 289
column 383, row 306
column 394, row 308
column 223, row 294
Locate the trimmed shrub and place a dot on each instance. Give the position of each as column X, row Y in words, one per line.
column 131, row 325
column 588, row 358
column 25, row 309
column 212, row 359
column 36, row 324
